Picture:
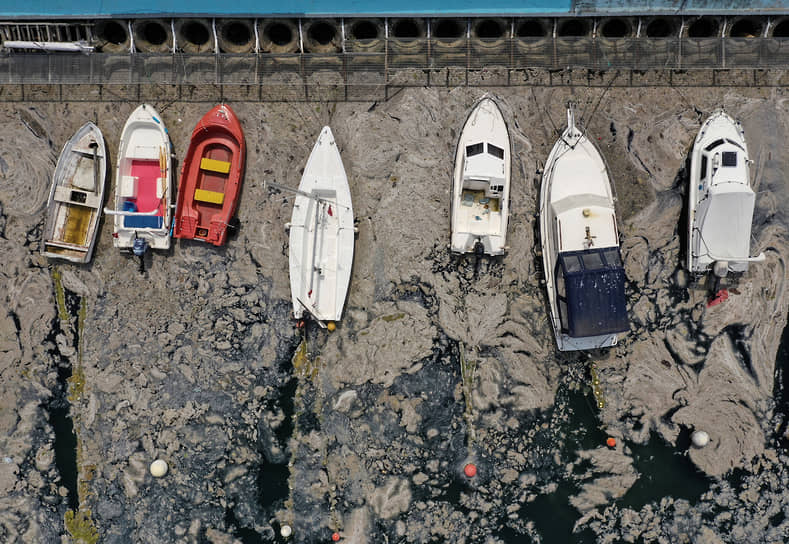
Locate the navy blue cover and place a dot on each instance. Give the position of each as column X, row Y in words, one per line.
column 140, row 221
column 595, row 290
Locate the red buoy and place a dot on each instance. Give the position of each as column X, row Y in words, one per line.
column 611, row 442
column 470, row 470
column 335, row 537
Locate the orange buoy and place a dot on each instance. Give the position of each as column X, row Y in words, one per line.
column 611, row 442
column 335, row 537
column 470, row 470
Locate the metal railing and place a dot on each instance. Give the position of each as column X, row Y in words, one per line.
column 396, row 62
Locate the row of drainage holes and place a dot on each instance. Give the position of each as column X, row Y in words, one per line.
column 323, row 33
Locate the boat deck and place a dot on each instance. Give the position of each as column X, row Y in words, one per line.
column 478, row 214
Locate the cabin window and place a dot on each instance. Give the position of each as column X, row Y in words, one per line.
column 703, row 167
column 474, row 149
column 732, row 142
column 572, row 264
column 592, row 261
column 496, row 151
column 612, row 257
column 729, row 158
column 561, row 295
column 714, row 144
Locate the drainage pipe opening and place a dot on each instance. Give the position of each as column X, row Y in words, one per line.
column 152, row 35
column 235, row 35
column 193, row 35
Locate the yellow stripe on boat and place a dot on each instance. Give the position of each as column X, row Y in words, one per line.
column 212, row 197
column 213, row 165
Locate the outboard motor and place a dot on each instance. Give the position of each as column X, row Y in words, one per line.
column 139, row 247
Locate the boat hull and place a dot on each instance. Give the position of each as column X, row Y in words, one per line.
column 76, row 197
column 481, row 183
column 321, row 235
column 720, row 198
column 211, row 176
column 143, row 190
column 577, row 220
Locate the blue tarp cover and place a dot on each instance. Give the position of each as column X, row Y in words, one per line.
column 594, row 282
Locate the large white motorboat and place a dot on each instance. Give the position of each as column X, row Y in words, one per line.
column 580, row 245
column 143, row 185
column 720, row 201
column 321, row 235
column 481, row 188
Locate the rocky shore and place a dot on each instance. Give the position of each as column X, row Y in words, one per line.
column 439, row 361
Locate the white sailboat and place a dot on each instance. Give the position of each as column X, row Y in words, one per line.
column 721, row 201
column 481, row 188
column 143, row 192
column 580, row 245
column 76, row 197
column 321, row 235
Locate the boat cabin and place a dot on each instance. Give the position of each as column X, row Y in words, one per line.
column 483, row 169
column 590, row 290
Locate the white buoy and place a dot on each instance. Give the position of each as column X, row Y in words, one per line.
column 158, row 468
column 700, row 439
column 285, row 531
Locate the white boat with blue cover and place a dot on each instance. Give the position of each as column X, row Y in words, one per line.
column 321, row 235
column 481, row 188
column 580, row 245
column 721, row 200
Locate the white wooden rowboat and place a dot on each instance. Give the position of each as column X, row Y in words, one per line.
column 76, row 197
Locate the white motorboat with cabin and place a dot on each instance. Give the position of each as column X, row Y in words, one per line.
column 76, row 197
column 580, row 245
column 721, row 200
column 321, row 235
column 481, row 187
column 143, row 192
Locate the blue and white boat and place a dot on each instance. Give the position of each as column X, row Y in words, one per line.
column 580, row 245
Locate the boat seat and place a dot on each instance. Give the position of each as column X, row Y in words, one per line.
column 213, row 165
column 468, row 199
column 211, row 197
column 75, row 196
column 65, row 245
column 140, row 221
column 127, row 187
column 147, row 152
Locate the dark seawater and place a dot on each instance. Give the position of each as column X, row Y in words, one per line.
column 59, row 407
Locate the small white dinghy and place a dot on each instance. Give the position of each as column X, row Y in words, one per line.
column 321, row 235
column 76, row 197
column 481, row 188
column 580, row 245
column 143, row 191
column 721, row 201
